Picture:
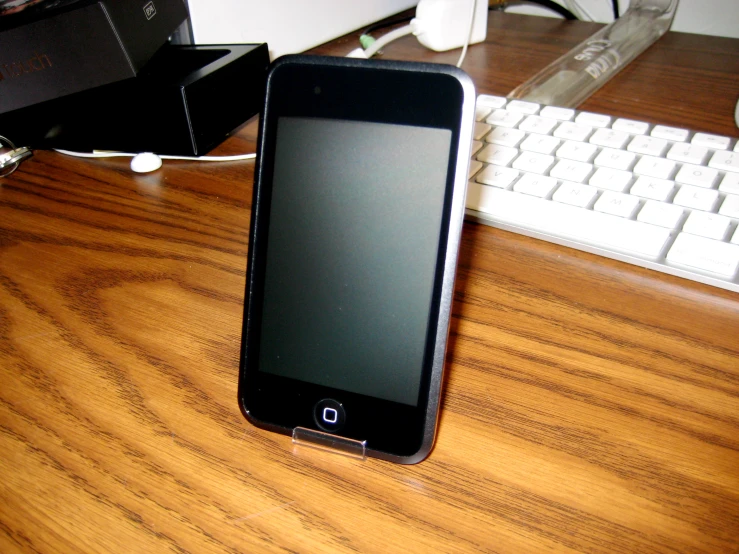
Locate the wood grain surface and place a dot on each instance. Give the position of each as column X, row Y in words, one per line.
column 589, row 406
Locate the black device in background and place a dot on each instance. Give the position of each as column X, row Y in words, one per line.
column 53, row 48
column 185, row 101
column 356, row 220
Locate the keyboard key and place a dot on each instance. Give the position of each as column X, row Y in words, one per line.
column 647, row 145
column 616, row 203
column 572, row 131
column 725, row 161
column 536, row 185
column 493, row 102
column 670, row 133
column 497, row 154
column 609, row 138
column 505, row 136
column 705, row 254
column 578, row 151
column 611, row 179
column 730, row 183
column 615, row 159
column 652, row 166
column 575, row 194
column 735, row 237
column 554, row 112
column 696, row 175
column 696, row 198
column 521, row 106
column 504, row 118
column 500, row 177
column 538, row 124
column 707, row 225
column 730, row 206
column 630, row 126
column 714, row 142
column 569, row 222
column 475, row 166
column 569, row 170
column 533, row 162
column 481, row 129
column 656, row 189
column 481, row 112
column 476, row 145
column 543, row 144
column 660, row 213
column 687, row 153
column 593, row 119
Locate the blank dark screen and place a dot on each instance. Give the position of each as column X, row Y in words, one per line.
column 352, row 248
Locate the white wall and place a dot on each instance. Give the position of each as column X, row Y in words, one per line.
column 705, row 17
column 295, row 25
column 287, row 26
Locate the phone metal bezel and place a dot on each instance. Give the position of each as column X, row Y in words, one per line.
column 373, row 91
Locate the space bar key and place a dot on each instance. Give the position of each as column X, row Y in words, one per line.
column 568, row 222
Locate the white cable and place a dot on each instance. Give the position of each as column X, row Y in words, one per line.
column 570, row 5
column 579, row 10
column 93, row 154
column 106, row 154
column 469, row 34
column 386, row 39
column 211, row 158
column 585, row 11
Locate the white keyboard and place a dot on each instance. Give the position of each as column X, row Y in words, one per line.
column 654, row 196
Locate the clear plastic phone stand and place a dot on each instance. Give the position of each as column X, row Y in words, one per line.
column 331, row 443
column 571, row 79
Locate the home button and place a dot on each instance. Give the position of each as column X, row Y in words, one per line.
column 329, row 415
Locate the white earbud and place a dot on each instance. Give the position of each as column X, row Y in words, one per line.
column 145, row 162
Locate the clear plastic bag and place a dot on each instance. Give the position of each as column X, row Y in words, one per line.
column 571, row 79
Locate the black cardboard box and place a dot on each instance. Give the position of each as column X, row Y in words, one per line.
column 59, row 47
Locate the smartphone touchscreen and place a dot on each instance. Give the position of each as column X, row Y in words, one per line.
column 356, row 220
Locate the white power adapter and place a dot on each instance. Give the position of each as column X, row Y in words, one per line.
column 445, row 24
column 439, row 25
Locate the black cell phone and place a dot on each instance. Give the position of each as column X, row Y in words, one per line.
column 357, row 212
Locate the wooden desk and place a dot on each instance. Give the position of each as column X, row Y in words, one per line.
column 589, row 405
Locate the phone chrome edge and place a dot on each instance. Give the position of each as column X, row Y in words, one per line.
column 450, row 263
